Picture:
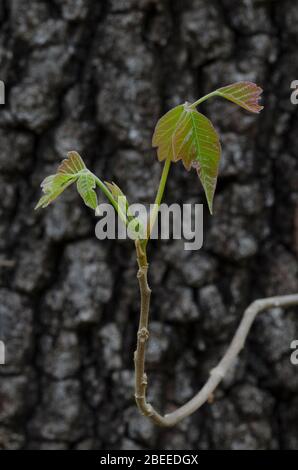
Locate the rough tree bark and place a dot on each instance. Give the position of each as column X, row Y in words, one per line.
column 94, row 77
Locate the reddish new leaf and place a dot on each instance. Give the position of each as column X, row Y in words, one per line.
column 245, row 94
column 196, row 142
column 164, row 131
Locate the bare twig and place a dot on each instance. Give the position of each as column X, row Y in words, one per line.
column 216, row 374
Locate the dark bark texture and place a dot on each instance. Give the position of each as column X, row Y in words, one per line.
column 94, row 76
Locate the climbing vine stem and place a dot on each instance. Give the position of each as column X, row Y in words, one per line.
column 216, row 374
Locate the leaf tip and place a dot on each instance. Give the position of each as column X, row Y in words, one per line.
column 41, row 204
column 210, row 201
column 73, row 153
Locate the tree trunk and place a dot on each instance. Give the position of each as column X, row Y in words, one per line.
column 94, row 77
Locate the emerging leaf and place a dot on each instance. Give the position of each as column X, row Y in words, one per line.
column 115, row 190
column 119, row 198
column 197, row 143
column 122, row 201
column 245, row 94
column 53, row 186
column 72, row 165
column 71, row 169
column 85, row 185
column 164, row 130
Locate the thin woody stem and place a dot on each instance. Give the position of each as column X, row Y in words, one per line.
column 216, row 374
column 143, row 335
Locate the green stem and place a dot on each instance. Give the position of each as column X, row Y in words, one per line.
column 159, row 196
column 204, row 98
column 110, row 197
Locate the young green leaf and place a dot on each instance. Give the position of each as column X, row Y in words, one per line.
column 52, row 187
column 71, row 169
column 85, row 185
column 164, row 130
column 245, row 94
column 197, row 143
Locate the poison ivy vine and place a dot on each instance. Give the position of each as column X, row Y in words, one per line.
column 183, row 134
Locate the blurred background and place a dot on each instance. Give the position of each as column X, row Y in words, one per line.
column 94, row 76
